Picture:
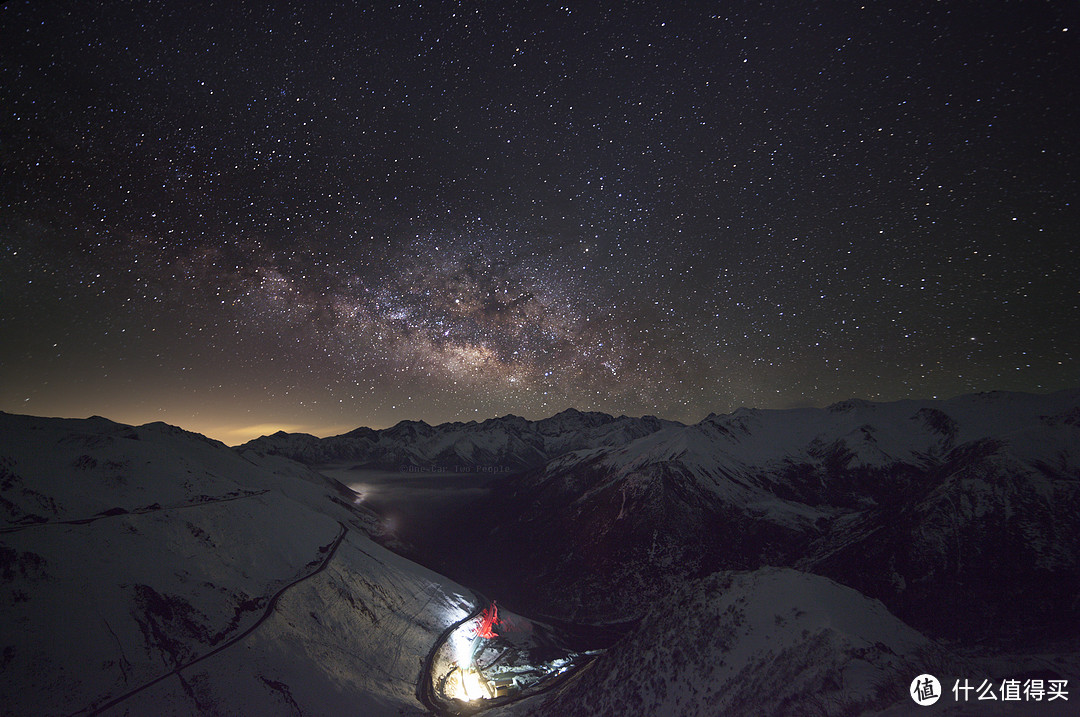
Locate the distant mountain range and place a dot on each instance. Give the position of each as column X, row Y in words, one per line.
column 502, row 444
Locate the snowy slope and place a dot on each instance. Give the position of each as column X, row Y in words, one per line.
column 771, row 642
column 755, row 446
column 155, row 562
column 500, row 444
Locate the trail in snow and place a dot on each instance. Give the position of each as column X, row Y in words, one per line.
column 271, row 604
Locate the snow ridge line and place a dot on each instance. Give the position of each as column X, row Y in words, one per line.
column 271, row 604
column 137, row 511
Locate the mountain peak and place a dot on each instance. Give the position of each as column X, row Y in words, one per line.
column 407, row 423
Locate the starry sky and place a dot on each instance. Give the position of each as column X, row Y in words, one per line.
column 243, row 217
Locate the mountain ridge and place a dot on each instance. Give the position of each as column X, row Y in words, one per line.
column 507, row 443
column 991, row 478
column 514, row 443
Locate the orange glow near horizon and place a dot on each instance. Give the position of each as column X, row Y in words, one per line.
column 229, row 432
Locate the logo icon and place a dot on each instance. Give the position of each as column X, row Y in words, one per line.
column 925, row 690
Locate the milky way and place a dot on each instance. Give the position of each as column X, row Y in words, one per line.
column 235, row 218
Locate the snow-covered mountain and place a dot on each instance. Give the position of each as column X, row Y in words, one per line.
column 777, row 642
column 958, row 514
column 148, row 570
column 153, row 571
column 502, row 444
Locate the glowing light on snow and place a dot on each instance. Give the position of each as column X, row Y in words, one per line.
column 463, row 647
column 472, row 687
column 467, row 683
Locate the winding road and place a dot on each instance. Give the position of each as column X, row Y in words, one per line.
column 424, row 687
column 271, row 604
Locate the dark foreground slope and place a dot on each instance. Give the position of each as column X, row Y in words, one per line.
column 776, row 642
column 770, row 642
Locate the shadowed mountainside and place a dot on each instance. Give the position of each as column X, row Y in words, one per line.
column 958, row 514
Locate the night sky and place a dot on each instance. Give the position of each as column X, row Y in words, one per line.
column 238, row 219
